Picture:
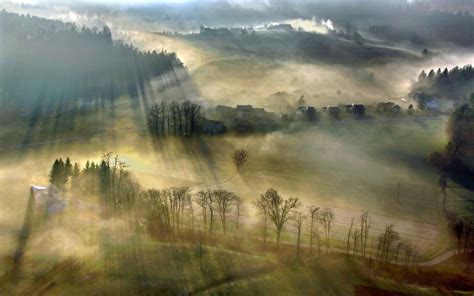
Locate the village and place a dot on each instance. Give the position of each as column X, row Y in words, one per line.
column 248, row 118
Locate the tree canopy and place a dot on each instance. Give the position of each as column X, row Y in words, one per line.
column 49, row 63
column 455, row 84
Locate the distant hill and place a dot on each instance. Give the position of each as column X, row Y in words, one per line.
column 334, row 48
column 50, row 63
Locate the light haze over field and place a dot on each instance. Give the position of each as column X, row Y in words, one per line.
column 236, row 147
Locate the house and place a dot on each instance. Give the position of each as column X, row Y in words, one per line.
column 349, row 108
column 244, row 111
column 213, row 127
column 389, row 108
column 334, row 112
column 358, row 110
column 224, row 110
column 306, row 113
column 311, row 114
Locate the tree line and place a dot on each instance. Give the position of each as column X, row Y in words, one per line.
column 175, row 211
column 454, row 84
column 457, row 153
column 174, row 118
column 108, row 178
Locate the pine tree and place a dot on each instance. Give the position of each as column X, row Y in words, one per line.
column 68, row 169
column 76, row 172
column 54, row 173
column 87, row 168
column 62, row 176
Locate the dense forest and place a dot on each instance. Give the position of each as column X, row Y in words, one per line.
column 455, row 84
column 52, row 64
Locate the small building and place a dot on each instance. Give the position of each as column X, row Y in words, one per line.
column 358, row 110
column 306, row 113
column 349, row 108
column 213, row 127
column 244, row 111
column 224, row 109
column 311, row 114
column 389, row 108
column 334, row 112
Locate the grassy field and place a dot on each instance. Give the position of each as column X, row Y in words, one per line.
column 347, row 166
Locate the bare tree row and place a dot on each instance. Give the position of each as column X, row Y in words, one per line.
column 180, row 119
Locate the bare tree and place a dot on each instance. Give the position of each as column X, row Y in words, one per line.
column 399, row 245
column 154, row 119
column 179, row 111
column 364, row 231
column 163, row 116
column 386, row 240
column 177, row 199
column 348, row 245
column 263, row 212
column 240, row 157
column 225, row 200
column 278, row 209
column 159, row 210
column 326, row 218
column 239, row 206
column 408, row 251
column 194, row 117
column 174, row 107
column 313, row 211
column 458, row 229
column 210, row 207
column 186, row 110
column 298, row 217
column 202, row 201
column 356, row 238
column 189, row 199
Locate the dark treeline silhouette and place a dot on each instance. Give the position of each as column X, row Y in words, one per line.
column 47, row 63
column 463, row 230
column 455, row 84
column 181, row 119
column 457, row 156
column 461, row 133
column 446, row 26
column 419, row 23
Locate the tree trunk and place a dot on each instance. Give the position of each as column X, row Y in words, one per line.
column 278, row 238
column 311, row 237
column 265, row 231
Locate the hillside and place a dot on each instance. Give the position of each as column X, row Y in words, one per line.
column 50, row 64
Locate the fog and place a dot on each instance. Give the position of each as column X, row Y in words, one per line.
column 235, row 52
column 321, row 83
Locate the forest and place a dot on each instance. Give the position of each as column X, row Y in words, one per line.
column 456, row 84
column 37, row 55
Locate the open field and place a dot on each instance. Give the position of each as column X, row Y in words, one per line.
column 346, row 166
